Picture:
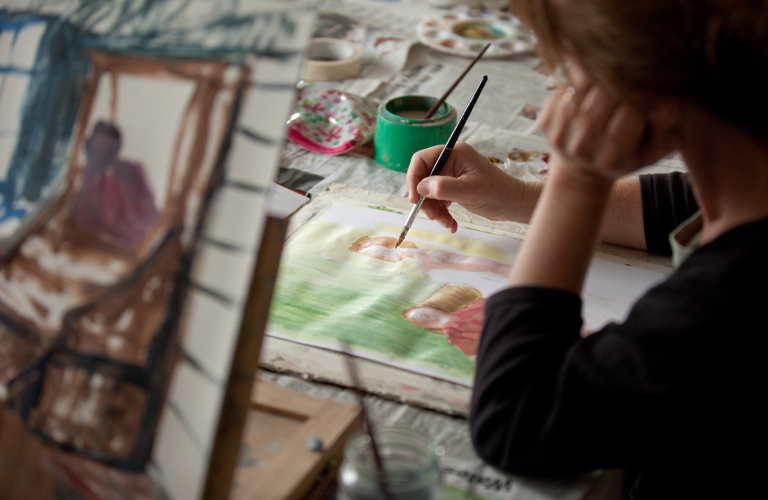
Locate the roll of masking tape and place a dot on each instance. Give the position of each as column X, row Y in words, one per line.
column 331, row 59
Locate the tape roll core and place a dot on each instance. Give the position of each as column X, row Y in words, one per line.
column 331, row 59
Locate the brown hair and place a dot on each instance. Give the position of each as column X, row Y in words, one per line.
column 712, row 52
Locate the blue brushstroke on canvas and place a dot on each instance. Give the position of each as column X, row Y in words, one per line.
column 55, row 80
column 47, row 97
column 150, row 28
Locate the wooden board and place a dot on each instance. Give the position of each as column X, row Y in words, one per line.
column 261, row 444
column 275, row 462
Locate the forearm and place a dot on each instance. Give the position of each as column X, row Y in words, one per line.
column 623, row 220
column 564, row 228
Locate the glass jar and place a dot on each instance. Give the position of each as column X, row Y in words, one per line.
column 411, row 465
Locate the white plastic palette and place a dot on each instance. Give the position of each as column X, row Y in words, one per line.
column 465, row 33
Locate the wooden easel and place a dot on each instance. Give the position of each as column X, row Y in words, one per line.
column 259, row 418
column 286, row 419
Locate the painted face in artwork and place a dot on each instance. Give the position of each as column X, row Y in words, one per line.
column 115, row 203
column 102, row 147
column 383, row 248
column 426, row 317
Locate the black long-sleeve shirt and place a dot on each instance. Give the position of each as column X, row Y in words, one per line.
column 673, row 391
column 667, row 202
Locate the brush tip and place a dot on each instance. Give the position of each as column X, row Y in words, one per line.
column 399, row 240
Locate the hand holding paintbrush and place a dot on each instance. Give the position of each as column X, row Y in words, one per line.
column 444, row 154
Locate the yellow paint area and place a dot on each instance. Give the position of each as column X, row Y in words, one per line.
column 332, row 241
column 472, row 247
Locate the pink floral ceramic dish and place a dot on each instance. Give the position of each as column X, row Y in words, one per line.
column 330, row 121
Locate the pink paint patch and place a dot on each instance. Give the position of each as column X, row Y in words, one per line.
column 465, row 326
column 409, row 387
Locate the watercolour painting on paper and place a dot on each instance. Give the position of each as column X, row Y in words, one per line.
column 420, row 306
column 137, row 143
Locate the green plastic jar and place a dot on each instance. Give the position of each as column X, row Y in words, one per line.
column 400, row 132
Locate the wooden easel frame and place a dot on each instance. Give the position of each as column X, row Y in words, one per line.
column 293, row 473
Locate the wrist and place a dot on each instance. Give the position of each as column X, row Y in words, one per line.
column 516, row 198
column 579, row 180
column 563, row 231
column 528, row 195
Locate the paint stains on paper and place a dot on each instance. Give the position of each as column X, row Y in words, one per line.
column 454, row 311
column 415, row 306
column 418, row 307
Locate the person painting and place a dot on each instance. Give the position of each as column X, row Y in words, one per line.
column 115, row 203
column 672, row 395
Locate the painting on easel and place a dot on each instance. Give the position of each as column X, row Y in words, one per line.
column 420, row 306
column 137, row 143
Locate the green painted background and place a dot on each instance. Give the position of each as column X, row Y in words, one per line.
column 322, row 300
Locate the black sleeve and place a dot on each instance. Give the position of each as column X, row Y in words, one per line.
column 548, row 402
column 667, row 202
column 519, row 330
column 672, row 386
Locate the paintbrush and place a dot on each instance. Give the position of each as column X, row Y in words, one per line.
column 444, row 154
column 358, row 389
column 440, row 101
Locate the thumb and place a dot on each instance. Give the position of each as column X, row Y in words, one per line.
column 440, row 188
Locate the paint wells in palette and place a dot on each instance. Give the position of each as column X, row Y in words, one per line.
column 465, row 33
column 481, row 30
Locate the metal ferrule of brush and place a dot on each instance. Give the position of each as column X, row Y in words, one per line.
column 412, row 215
